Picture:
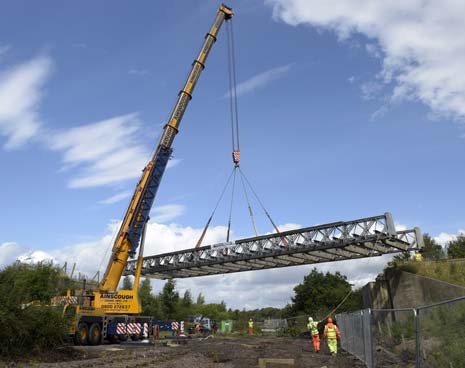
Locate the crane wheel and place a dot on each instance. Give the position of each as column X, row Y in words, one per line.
column 95, row 334
column 81, row 335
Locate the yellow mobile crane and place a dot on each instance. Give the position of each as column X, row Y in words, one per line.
column 108, row 313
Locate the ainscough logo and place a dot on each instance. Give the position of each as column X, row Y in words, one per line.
column 116, row 296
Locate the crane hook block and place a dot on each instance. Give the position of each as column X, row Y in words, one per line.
column 236, row 155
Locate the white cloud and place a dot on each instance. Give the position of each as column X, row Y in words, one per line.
column 36, row 256
column 167, row 212
column 9, row 251
column 108, row 151
column 260, row 80
column 21, row 90
column 116, row 198
column 173, row 162
column 371, row 89
column 288, row 226
column 401, row 227
column 421, row 43
column 444, row 238
column 92, row 256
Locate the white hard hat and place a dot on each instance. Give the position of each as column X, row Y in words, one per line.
column 310, row 319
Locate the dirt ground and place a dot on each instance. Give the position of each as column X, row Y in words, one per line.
column 216, row 352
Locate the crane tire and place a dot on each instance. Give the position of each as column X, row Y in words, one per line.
column 123, row 337
column 95, row 334
column 81, row 334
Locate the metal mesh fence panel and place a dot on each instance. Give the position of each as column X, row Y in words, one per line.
column 394, row 339
column 424, row 337
column 356, row 335
column 441, row 334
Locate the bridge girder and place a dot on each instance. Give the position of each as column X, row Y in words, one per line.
column 368, row 237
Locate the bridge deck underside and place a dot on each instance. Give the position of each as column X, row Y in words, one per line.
column 341, row 241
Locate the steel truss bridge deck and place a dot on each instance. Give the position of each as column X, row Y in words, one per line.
column 338, row 241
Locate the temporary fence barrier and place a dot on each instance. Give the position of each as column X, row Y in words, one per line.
column 429, row 336
column 356, row 335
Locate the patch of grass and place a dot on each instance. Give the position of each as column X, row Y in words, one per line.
column 452, row 271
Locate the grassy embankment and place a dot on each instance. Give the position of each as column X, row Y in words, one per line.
column 441, row 326
column 448, row 270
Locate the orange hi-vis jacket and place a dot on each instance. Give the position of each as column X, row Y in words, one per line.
column 332, row 332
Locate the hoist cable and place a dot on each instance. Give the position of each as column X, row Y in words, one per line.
column 231, row 204
column 199, row 242
column 249, row 206
column 231, row 99
column 263, row 207
column 338, row 306
column 233, row 63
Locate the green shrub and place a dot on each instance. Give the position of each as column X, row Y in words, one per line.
column 29, row 328
column 408, row 267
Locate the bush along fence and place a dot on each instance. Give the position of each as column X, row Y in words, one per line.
column 429, row 336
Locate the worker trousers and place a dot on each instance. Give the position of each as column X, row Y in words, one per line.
column 316, row 343
column 250, row 330
column 332, row 345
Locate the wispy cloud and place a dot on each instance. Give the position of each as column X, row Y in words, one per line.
column 261, row 80
column 167, row 213
column 139, row 72
column 420, row 43
column 107, row 151
column 21, row 91
column 173, row 162
column 116, row 198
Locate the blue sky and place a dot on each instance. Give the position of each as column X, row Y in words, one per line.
column 343, row 115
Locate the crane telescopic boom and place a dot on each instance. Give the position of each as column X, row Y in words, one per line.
column 132, row 227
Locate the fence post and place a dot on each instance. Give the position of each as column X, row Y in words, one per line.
column 417, row 337
column 372, row 355
column 362, row 324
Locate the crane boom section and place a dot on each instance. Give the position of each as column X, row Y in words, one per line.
column 130, row 232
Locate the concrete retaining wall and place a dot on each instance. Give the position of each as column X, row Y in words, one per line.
column 400, row 289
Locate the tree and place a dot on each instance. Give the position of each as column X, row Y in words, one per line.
column 29, row 329
column 145, row 290
column 39, row 282
column 169, row 299
column 320, row 293
column 127, row 283
column 200, row 299
column 456, row 248
column 150, row 303
column 400, row 259
column 432, row 250
column 187, row 299
column 212, row 310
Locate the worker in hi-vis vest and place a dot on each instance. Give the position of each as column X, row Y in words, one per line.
column 332, row 333
column 250, row 327
column 312, row 327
